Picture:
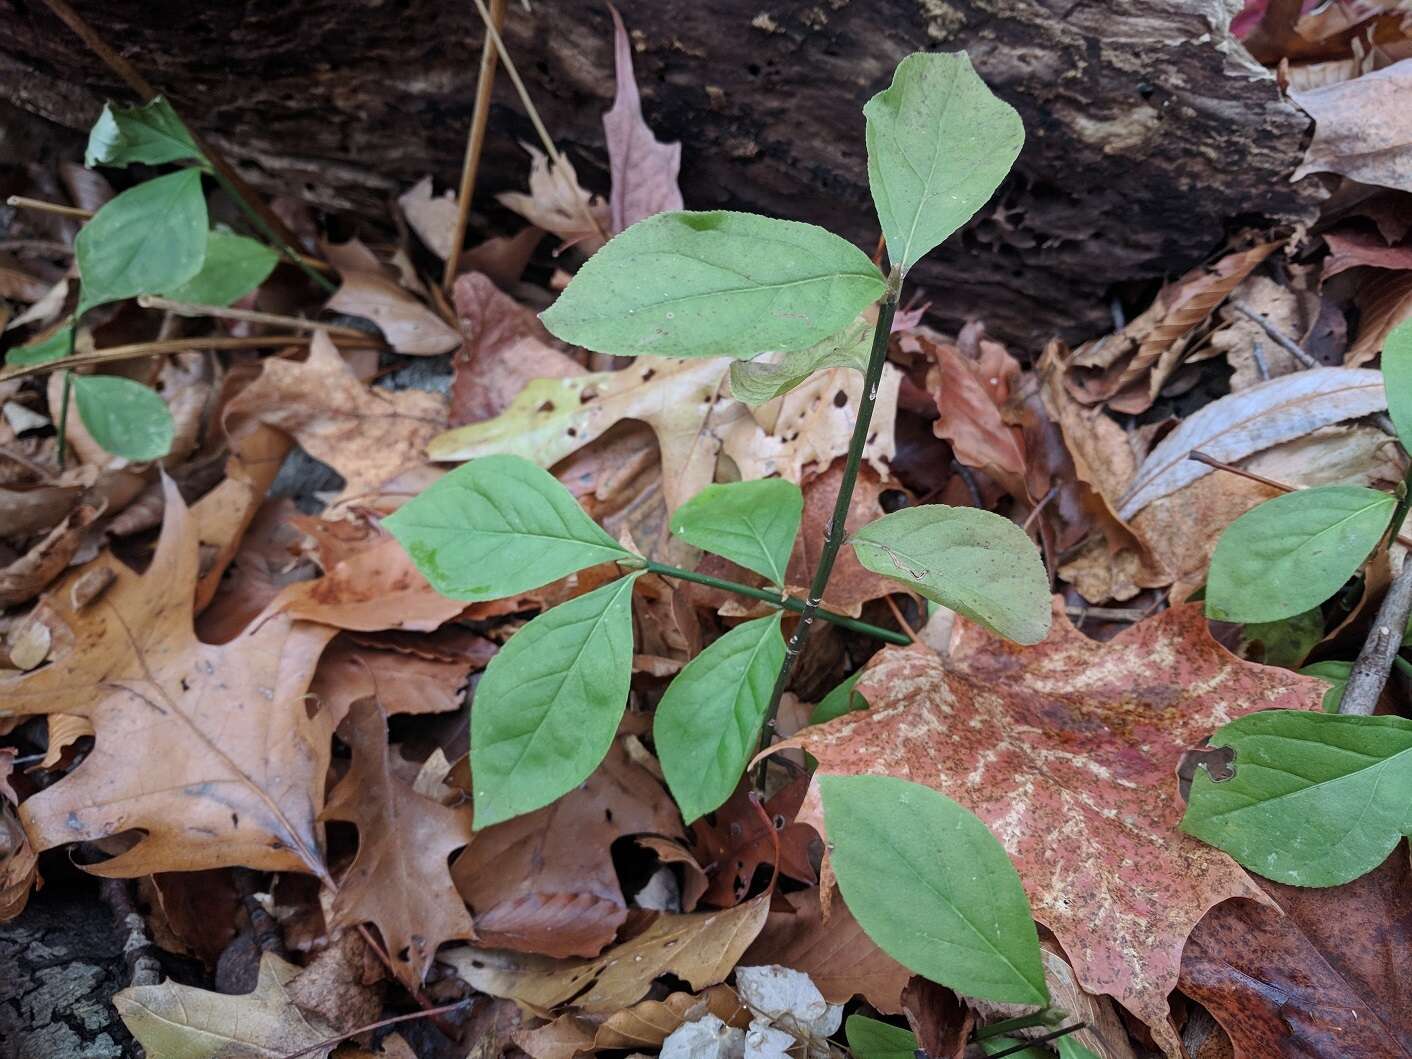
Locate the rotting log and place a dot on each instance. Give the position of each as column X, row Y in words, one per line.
column 1150, row 130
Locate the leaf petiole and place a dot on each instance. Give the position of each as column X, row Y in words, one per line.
column 776, row 599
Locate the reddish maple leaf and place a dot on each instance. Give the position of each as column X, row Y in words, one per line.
column 1067, row 750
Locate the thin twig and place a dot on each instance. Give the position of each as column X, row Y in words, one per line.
column 1298, row 352
column 222, row 312
column 1375, row 660
column 329, row 1042
column 174, row 345
column 900, row 618
column 836, row 531
column 475, row 141
column 554, row 156
column 23, row 202
column 1032, row 1041
column 1273, row 483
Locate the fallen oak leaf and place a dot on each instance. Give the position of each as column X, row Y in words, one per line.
column 399, row 879
column 700, row 948
column 558, row 203
column 209, row 785
column 173, row 1021
column 401, row 682
column 544, row 882
column 367, row 434
column 734, row 841
column 643, row 170
column 408, row 325
column 1067, row 751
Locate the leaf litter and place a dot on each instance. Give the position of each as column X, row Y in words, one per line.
column 220, row 676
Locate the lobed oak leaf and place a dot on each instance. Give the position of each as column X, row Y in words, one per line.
column 544, row 882
column 558, row 203
column 174, row 1021
column 368, row 435
column 734, row 841
column 399, row 879
column 210, row 751
column 1067, row 750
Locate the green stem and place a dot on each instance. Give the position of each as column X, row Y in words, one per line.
column 834, row 534
column 778, row 599
column 1399, row 513
column 1023, row 1022
column 271, row 237
column 68, row 388
column 1404, row 666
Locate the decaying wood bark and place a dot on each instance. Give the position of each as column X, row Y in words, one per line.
column 1150, row 130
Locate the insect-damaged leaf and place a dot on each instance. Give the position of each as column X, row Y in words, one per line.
column 1317, row 799
column 931, row 885
column 151, row 134
column 975, row 562
column 1293, row 552
column 497, row 526
column 939, row 144
column 715, row 284
column 549, row 704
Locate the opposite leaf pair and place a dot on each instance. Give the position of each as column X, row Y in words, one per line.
column 550, row 702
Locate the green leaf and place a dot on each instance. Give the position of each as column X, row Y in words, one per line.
column 708, row 722
column 150, row 238
column 1336, row 673
column 757, row 381
column 151, row 133
column 497, row 526
column 975, row 562
column 55, row 347
column 1397, row 380
column 1317, row 799
column 753, row 524
column 714, row 285
column 842, row 699
column 871, row 1039
column 1291, row 553
column 932, row 887
column 1287, row 642
column 234, row 266
column 996, row 1045
column 939, row 144
column 1068, row 1048
column 547, row 709
column 125, row 417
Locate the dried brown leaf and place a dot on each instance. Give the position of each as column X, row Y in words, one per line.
column 643, row 170
column 210, row 751
column 1362, row 130
column 408, row 325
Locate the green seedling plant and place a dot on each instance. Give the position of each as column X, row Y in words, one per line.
column 154, row 238
column 1316, row 798
column 923, row 875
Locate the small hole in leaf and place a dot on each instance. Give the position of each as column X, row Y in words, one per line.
column 840, row 399
column 573, row 433
column 648, row 374
column 547, row 406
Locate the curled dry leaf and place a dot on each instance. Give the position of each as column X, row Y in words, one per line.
column 643, row 170
column 32, row 572
column 432, row 217
column 734, row 841
column 552, row 418
column 1067, row 751
column 841, row 959
column 504, row 347
column 1383, row 301
column 171, row 1020
column 1127, row 370
column 408, row 325
column 701, row 948
column 557, row 203
column 969, row 395
column 399, row 879
column 545, row 882
column 19, row 864
column 1235, row 426
column 367, row 434
column 1321, row 976
column 1361, row 128
column 208, row 750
